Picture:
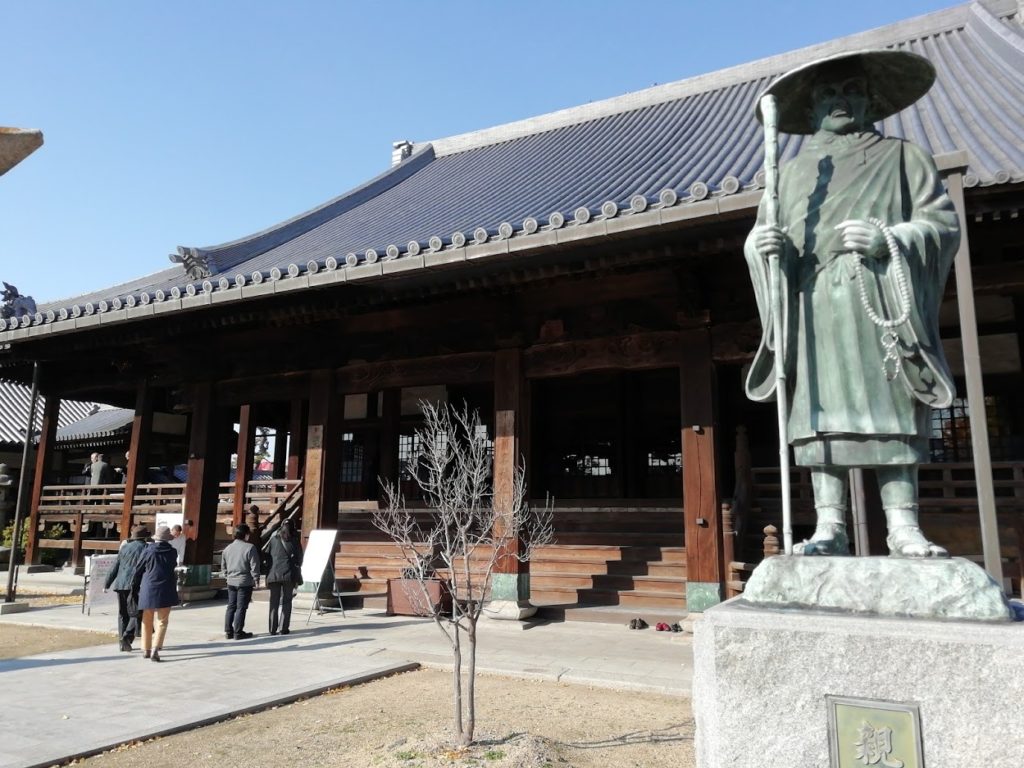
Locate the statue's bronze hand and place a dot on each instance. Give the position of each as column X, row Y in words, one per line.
column 863, row 238
column 769, row 240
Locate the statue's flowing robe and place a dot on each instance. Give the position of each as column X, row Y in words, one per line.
column 842, row 409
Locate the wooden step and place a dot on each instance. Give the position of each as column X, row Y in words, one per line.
column 613, row 614
column 652, row 584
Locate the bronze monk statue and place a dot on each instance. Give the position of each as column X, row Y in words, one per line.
column 866, row 236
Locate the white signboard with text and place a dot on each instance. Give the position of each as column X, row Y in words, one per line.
column 97, row 567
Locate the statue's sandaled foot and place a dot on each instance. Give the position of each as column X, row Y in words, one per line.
column 908, row 541
column 828, row 539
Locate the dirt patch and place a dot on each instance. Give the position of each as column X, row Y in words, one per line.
column 17, row 640
column 405, row 720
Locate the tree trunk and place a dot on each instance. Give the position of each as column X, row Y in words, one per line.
column 471, row 683
column 457, row 685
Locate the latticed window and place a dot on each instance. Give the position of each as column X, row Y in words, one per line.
column 951, row 431
column 408, row 449
column 352, row 456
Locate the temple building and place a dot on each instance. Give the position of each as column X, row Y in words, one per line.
column 579, row 279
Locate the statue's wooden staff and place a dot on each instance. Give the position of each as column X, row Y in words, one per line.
column 770, row 117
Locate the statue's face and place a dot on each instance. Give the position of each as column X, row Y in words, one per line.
column 840, row 103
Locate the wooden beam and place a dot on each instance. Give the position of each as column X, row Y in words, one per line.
column 390, row 417
column 138, row 453
column 508, row 418
column 244, row 461
column 701, row 504
column 323, row 454
column 296, row 438
column 638, row 351
column 44, row 451
column 468, row 368
column 202, row 486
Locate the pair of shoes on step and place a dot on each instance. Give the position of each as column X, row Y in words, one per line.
column 151, row 655
column 663, row 627
column 638, row 623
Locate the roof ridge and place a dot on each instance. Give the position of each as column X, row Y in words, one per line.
column 380, row 183
column 900, row 31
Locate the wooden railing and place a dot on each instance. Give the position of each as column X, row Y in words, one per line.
column 91, row 514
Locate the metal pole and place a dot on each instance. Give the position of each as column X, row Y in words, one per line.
column 770, row 115
column 22, row 477
column 975, row 389
column 860, row 513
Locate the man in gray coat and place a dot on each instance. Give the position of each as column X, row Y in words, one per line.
column 240, row 564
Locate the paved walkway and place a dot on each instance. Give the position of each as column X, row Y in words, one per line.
column 66, row 703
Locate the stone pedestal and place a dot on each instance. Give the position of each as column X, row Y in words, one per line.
column 762, row 675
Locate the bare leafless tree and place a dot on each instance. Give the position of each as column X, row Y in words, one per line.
column 462, row 537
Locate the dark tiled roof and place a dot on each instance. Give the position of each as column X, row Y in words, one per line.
column 662, row 149
column 15, row 402
column 104, row 423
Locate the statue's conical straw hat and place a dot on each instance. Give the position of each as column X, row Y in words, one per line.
column 896, row 79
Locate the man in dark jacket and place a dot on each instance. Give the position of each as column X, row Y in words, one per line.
column 240, row 564
column 120, row 579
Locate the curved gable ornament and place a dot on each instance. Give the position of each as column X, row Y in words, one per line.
column 14, row 304
column 196, row 263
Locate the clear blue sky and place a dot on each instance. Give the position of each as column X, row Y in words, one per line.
column 196, row 123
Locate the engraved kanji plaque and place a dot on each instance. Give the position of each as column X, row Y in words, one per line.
column 863, row 733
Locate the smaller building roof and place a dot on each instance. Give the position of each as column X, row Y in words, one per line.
column 15, row 401
column 100, row 426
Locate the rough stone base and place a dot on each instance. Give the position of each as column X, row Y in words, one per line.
column 761, row 676
column 951, row 588
column 15, row 607
column 509, row 610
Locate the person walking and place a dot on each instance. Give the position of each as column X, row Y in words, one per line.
column 121, row 579
column 283, row 576
column 240, row 564
column 157, row 589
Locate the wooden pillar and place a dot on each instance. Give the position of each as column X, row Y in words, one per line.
column 138, row 453
column 701, row 507
column 323, row 454
column 243, row 464
column 202, row 486
column 77, row 531
column 510, row 585
column 975, row 388
column 296, row 439
column 43, row 455
column 390, row 422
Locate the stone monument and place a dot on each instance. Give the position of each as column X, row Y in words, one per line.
column 825, row 659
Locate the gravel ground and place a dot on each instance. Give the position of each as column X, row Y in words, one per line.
column 17, row 640
column 405, row 720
